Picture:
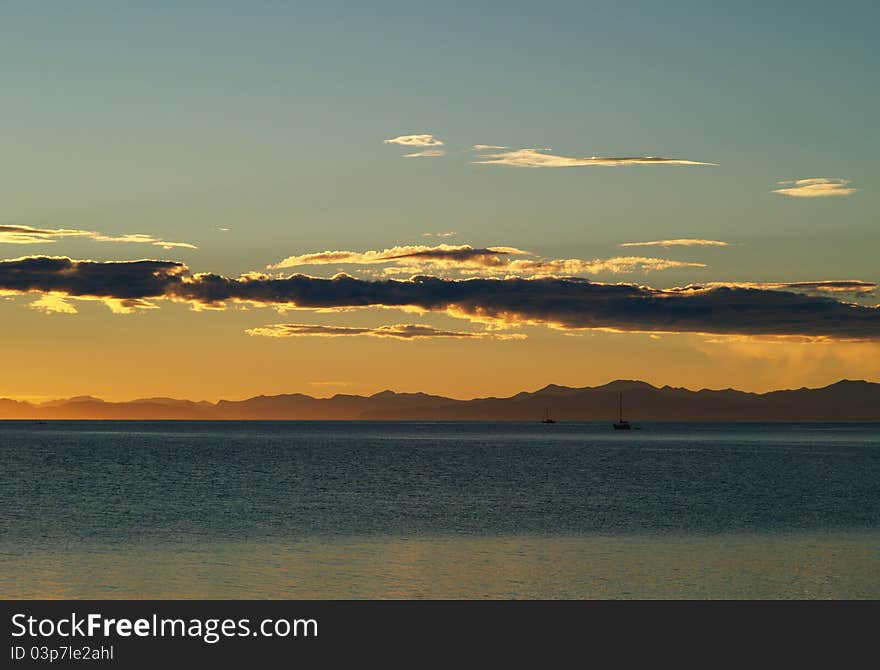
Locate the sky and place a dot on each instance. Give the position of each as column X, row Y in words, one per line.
column 660, row 191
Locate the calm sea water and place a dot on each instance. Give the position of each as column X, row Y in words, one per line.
column 442, row 510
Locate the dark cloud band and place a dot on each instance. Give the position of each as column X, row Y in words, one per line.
column 565, row 303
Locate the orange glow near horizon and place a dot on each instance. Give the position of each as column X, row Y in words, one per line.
column 179, row 353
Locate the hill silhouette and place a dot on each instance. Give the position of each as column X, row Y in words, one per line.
column 845, row 400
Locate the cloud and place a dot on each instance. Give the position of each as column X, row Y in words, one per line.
column 123, row 286
column 847, row 286
column 51, row 303
column 616, row 265
column 15, row 234
column 565, row 303
column 684, row 242
column 487, row 147
column 817, row 187
column 450, row 233
column 427, row 153
column 437, row 255
column 537, row 158
column 399, row 331
column 462, row 254
column 424, row 140
column 480, row 261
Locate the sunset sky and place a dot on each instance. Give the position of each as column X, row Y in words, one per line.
column 507, row 194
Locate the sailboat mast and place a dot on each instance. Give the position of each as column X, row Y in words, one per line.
column 620, row 407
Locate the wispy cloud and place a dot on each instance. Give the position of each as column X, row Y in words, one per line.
column 538, row 158
column 61, row 303
column 683, row 242
column 399, row 331
column 487, row 147
column 491, row 261
column 564, row 303
column 427, row 153
column 846, row 286
column 441, row 254
column 51, row 303
column 16, row 234
column 817, row 187
column 423, row 140
column 575, row 266
column 450, row 233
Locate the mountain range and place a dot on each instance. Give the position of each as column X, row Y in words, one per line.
column 845, row 400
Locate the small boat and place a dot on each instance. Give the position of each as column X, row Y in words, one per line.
column 547, row 418
column 621, row 423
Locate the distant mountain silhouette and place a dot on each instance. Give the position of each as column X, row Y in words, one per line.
column 843, row 401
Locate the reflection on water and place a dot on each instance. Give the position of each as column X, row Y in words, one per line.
column 817, row 565
column 440, row 510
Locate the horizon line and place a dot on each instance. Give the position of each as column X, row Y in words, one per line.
column 151, row 399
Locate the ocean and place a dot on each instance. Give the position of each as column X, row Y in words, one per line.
column 103, row 509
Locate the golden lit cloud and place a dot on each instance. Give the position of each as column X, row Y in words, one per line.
column 616, row 265
column 818, row 187
column 538, row 158
column 851, row 286
column 463, row 254
column 491, row 261
column 426, row 153
column 423, row 140
column 683, row 242
column 399, row 331
column 52, row 304
column 15, row 234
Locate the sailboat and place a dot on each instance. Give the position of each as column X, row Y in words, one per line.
column 547, row 418
column 621, row 424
